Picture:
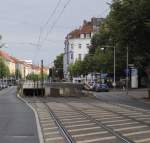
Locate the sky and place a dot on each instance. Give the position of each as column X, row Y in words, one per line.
column 24, row 22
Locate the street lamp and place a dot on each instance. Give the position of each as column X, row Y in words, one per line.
column 114, row 78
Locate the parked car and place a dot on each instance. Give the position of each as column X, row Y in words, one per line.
column 101, row 87
column 3, row 84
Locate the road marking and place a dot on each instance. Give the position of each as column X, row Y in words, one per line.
column 49, row 128
column 46, row 121
column 137, row 133
column 64, row 117
column 50, row 124
column 144, row 118
column 109, row 118
column 73, row 119
column 142, row 140
column 76, row 121
column 54, row 138
column 79, row 125
column 123, row 120
column 122, row 124
column 50, row 133
column 99, row 139
column 88, row 134
column 141, row 116
column 82, row 129
column 128, row 128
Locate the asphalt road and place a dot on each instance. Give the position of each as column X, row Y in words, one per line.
column 17, row 121
column 121, row 98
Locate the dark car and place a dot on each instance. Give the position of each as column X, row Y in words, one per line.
column 101, row 87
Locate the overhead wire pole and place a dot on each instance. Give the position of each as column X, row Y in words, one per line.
column 42, row 78
column 114, row 83
column 127, row 72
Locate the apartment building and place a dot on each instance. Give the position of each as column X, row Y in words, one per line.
column 24, row 67
column 78, row 42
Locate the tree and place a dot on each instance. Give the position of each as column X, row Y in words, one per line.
column 18, row 74
column 33, row 77
column 127, row 24
column 129, row 21
column 58, row 66
column 4, row 70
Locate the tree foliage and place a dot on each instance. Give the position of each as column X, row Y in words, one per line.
column 4, row 70
column 58, row 66
column 126, row 25
column 18, row 74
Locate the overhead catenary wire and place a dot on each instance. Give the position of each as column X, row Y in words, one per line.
column 57, row 19
column 39, row 43
column 52, row 27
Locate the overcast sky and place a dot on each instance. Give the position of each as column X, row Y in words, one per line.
column 21, row 21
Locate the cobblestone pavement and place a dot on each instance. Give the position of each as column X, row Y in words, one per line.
column 88, row 120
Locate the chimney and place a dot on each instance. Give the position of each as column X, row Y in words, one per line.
column 84, row 22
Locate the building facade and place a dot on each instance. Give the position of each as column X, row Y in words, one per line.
column 21, row 68
column 78, row 42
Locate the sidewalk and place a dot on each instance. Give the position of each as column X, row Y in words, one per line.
column 132, row 93
column 140, row 93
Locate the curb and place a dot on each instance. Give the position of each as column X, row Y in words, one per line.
column 39, row 130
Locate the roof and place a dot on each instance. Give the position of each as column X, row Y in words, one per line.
column 86, row 28
column 6, row 56
column 12, row 59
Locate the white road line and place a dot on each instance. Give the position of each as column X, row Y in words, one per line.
column 88, row 134
column 69, row 126
column 140, row 116
column 46, row 121
column 98, row 139
column 137, row 133
column 122, row 124
column 50, row 133
column 109, row 118
column 49, row 128
column 54, row 138
column 73, row 119
column 83, row 129
column 142, row 140
column 144, row 118
column 112, row 121
column 76, row 121
column 128, row 128
column 64, row 117
column 50, row 124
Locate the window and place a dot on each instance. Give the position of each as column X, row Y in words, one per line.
column 80, row 57
column 72, row 46
column 88, row 35
column 88, row 46
column 82, row 36
column 71, row 55
column 80, row 46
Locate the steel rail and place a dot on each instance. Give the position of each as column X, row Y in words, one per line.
column 61, row 127
column 120, row 114
column 99, row 123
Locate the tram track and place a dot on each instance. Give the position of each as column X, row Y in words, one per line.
column 96, row 122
